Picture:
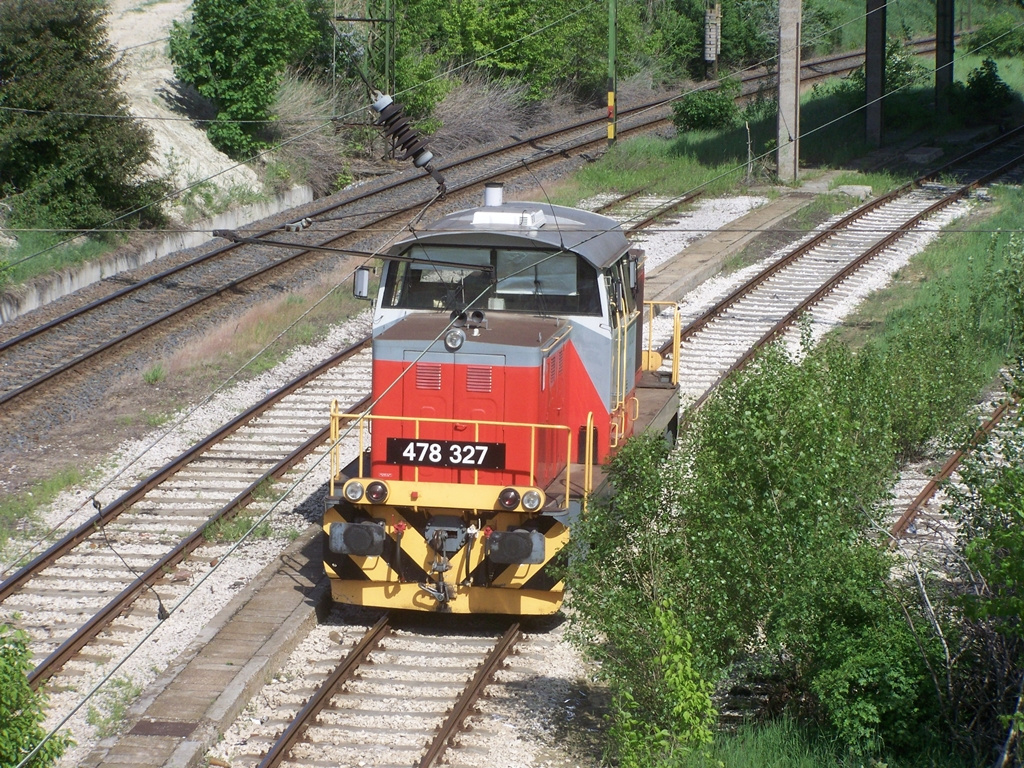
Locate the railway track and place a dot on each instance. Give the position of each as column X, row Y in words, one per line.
column 20, row 590
column 820, row 271
column 922, row 532
column 48, row 591
column 48, row 352
column 69, row 596
column 397, row 697
column 903, row 214
column 117, row 556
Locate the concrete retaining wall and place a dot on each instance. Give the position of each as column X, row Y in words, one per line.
column 46, row 288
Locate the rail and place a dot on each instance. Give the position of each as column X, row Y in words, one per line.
column 463, row 707
column 321, row 698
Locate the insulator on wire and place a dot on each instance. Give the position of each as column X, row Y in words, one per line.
column 397, row 128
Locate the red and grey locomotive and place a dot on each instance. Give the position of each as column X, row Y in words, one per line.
column 508, row 365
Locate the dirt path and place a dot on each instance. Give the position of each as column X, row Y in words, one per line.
column 139, row 29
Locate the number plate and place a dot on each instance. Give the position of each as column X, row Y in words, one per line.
column 446, row 453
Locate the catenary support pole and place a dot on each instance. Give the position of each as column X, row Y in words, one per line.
column 613, row 110
column 944, row 32
column 874, row 71
column 788, row 142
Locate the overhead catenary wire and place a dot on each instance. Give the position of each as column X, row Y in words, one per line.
column 165, row 433
column 725, row 173
column 175, row 193
column 231, row 551
column 703, row 86
column 255, row 524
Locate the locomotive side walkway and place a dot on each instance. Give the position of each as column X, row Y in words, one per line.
column 182, row 715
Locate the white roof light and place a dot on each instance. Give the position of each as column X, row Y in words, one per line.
column 510, row 219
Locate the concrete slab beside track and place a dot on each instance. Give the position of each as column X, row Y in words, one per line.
column 178, row 719
column 705, row 258
column 181, row 716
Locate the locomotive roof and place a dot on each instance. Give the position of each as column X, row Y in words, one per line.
column 598, row 239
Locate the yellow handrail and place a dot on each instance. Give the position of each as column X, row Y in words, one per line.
column 588, row 463
column 676, row 335
column 558, row 338
column 363, row 419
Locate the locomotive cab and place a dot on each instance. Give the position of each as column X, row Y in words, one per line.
column 507, row 355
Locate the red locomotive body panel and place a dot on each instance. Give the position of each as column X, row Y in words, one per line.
column 467, row 390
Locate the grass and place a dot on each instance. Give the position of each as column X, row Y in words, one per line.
column 659, row 167
column 954, row 258
column 784, row 744
column 20, row 512
column 154, row 375
column 235, row 528
column 265, row 490
column 108, row 717
column 880, row 182
column 38, row 253
column 275, row 327
column 915, row 18
column 41, row 253
column 151, row 419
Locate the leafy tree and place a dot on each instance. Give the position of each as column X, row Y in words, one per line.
column 21, row 708
column 70, row 154
column 234, row 53
column 673, row 44
column 569, row 51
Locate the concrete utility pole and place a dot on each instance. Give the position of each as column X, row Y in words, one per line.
column 944, row 35
column 874, row 71
column 788, row 137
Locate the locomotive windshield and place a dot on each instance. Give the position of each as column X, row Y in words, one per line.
column 515, row 280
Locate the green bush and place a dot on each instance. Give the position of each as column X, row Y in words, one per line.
column 21, row 708
column 988, row 503
column 992, row 506
column 848, row 643
column 759, row 530
column 708, row 110
column 902, row 71
column 820, row 28
column 234, row 54
column 984, row 97
column 1000, row 36
column 62, row 162
column 762, row 108
column 623, row 617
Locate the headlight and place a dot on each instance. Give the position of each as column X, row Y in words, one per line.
column 532, row 501
column 454, row 339
column 354, row 491
column 508, row 498
column 376, row 491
